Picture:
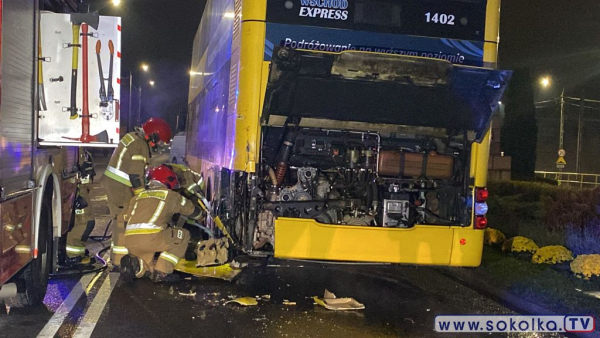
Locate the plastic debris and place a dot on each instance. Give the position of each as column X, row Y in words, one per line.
column 331, row 302
column 287, row 302
column 266, row 297
column 225, row 271
column 244, row 301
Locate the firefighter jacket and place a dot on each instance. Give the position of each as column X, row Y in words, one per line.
column 130, row 158
column 189, row 180
column 152, row 209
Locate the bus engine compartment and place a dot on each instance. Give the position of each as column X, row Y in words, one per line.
column 370, row 179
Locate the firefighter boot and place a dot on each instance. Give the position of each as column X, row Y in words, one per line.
column 131, row 268
column 190, row 253
column 161, row 277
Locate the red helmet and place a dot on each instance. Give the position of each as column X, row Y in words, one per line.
column 164, row 175
column 158, row 126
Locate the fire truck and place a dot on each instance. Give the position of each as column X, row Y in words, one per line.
column 45, row 117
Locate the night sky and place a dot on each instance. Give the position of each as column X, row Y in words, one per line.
column 550, row 37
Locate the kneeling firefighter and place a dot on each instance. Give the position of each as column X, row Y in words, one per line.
column 212, row 251
column 124, row 175
column 84, row 218
column 147, row 228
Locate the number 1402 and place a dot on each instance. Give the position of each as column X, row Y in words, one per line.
column 444, row 19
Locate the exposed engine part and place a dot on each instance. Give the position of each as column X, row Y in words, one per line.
column 323, row 188
column 265, row 229
column 283, row 157
column 359, row 221
column 397, row 213
column 362, row 179
column 400, row 164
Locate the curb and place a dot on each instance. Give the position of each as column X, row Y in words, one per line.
column 469, row 278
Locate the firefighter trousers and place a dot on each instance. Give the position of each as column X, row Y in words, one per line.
column 171, row 243
column 118, row 197
column 75, row 246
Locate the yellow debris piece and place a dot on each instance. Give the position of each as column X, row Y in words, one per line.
column 224, row 272
column 244, row 301
column 331, row 302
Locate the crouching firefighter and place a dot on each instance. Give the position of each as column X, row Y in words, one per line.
column 147, row 228
column 124, row 175
column 84, row 218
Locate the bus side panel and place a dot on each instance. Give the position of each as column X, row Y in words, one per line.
column 247, row 125
column 209, row 142
column 16, row 109
column 15, row 235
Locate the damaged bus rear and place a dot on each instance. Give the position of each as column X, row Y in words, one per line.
column 348, row 130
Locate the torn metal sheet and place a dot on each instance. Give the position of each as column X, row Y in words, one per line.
column 331, row 302
column 224, row 272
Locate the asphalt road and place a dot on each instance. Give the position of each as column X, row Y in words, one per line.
column 400, row 301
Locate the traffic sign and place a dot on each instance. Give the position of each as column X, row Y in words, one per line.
column 562, row 153
column 560, row 163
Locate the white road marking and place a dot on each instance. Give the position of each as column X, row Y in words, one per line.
column 67, row 305
column 90, row 319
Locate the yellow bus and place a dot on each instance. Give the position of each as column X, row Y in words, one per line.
column 347, row 130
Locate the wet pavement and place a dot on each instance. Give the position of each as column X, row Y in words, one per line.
column 400, row 301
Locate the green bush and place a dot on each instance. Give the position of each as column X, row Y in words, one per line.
column 548, row 214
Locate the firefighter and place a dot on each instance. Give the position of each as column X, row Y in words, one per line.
column 84, row 218
column 125, row 174
column 147, row 230
column 190, row 182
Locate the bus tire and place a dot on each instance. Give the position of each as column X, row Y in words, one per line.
column 35, row 276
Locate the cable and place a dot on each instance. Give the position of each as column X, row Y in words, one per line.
column 71, row 273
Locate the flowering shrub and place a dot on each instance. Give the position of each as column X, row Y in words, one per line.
column 586, row 266
column 552, row 254
column 520, row 244
column 493, row 236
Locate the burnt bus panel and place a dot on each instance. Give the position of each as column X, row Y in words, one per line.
column 16, row 109
column 407, row 91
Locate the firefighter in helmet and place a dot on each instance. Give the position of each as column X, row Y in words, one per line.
column 147, row 228
column 124, row 175
column 84, row 218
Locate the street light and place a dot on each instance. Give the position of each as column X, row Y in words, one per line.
column 116, row 3
column 145, row 67
column 545, row 81
column 151, row 82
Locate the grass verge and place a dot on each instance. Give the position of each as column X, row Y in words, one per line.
column 559, row 291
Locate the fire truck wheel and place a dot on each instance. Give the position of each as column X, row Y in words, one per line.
column 35, row 276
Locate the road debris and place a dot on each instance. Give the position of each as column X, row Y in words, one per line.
column 191, row 294
column 224, row 272
column 287, row 302
column 331, row 302
column 265, row 297
column 244, row 301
